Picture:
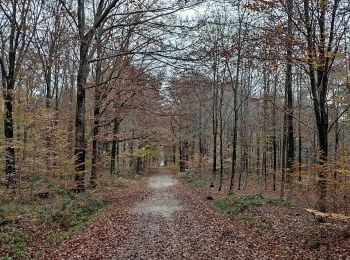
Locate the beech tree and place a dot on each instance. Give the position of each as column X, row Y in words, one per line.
column 16, row 31
column 323, row 33
column 254, row 94
column 270, row 55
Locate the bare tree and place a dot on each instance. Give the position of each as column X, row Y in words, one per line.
column 15, row 39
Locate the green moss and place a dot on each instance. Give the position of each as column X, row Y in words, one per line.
column 236, row 205
column 193, row 181
column 185, row 176
column 244, row 217
column 223, row 205
column 70, row 211
column 276, row 201
column 12, row 238
column 262, row 223
column 39, row 254
column 198, row 183
column 76, row 209
column 44, row 213
column 242, row 203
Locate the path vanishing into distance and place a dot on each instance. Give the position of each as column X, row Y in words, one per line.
column 169, row 225
column 168, row 220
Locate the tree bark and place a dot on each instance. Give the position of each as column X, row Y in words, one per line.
column 289, row 106
column 114, row 148
column 97, row 102
column 85, row 40
column 9, row 80
column 221, row 138
column 274, row 141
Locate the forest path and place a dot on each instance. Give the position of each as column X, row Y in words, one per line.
column 171, row 223
column 167, row 219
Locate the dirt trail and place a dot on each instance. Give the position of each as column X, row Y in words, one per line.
column 171, row 225
column 170, row 220
column 166, row 227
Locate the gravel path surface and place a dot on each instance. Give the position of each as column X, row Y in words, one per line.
column 167, row 219
column 172, row 224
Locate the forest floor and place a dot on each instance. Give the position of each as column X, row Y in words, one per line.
column 33, row 223
column 165, row 217
column 170, row 219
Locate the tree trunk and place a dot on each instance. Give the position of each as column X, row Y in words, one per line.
column 299, row 128
column 283, row 155
column 319, row 82
column 9, row 81
column 114, row 148
column 97, row 102
column 289, row 106
column 182, row 157
column 174, row 153
column 80, row 142
column 139, row 160
column 10, row 168
column 85, row 40
column 221, row 141
column 274, row 142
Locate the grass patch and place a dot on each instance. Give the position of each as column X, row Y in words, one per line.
column 261, row 223
column 198, row 183
column 242, row 203
column 244, row 217
column 276, row 201
column 238, row 205
column 193, row 181
column 10, row 235
column 185, row 176
column 73, row 212
column 69, row 211
column 223, row 205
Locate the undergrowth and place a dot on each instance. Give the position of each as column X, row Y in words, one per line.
column 192, row 180
column 67, row 210
column 223, row 205
column 238, row 206
column 72, row 212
